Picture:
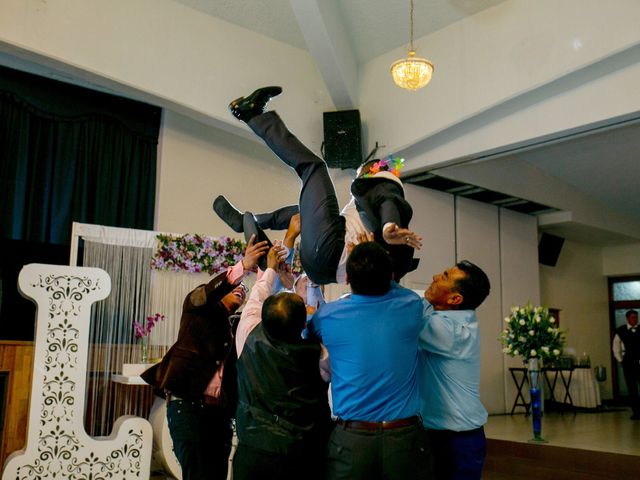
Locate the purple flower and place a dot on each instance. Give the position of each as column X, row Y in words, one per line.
column 138, row 329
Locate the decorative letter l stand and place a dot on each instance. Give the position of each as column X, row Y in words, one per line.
column 57, row 445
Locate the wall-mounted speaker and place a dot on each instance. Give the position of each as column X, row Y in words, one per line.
column 342, row 139
column 549, row 249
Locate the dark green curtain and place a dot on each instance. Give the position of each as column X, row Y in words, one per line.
column 72, row 154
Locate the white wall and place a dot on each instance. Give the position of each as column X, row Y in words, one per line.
column 621, row 260
column 577, row 286
column 198, row 162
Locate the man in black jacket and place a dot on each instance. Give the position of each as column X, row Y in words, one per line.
column 378, row 206
column 197, row 374
column 283, row 417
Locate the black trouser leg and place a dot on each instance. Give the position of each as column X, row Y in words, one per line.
column 322, row 227
column 201, row 439
column 278, row 219
column 632, row 377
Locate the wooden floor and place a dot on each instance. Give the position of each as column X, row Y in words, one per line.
column 584, row 446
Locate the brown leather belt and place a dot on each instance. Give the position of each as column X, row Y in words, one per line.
column 377, row 426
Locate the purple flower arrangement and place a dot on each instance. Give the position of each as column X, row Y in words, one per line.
column 196, row 253
column 141, row 330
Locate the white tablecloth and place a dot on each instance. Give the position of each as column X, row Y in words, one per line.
column 584, row 389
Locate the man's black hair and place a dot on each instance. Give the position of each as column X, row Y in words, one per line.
column 283, row 316
column 474, row 287
column 630, row 312
column 369, row 269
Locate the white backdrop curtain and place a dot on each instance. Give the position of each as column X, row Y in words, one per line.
column 137, row 291
column 112, row 340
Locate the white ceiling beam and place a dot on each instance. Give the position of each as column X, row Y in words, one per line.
column 330, row 46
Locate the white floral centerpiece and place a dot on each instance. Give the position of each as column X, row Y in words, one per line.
column 531, row 332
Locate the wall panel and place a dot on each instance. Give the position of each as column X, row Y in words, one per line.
column 520, row 276
column 478, row 240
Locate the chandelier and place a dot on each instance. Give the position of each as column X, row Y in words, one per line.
column 412, row 72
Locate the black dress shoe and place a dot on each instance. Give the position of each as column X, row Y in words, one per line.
column 251, row 228
column 245, row 108
column 228, row 213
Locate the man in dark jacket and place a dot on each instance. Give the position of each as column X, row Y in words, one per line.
column 283, row 417
column 197, row 374
column 378, row 203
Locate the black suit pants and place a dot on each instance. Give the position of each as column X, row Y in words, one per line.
column 322, row 226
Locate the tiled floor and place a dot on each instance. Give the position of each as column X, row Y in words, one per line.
column 605, row 431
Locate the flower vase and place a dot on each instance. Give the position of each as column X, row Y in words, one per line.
column 535, row 390
column 144, row 350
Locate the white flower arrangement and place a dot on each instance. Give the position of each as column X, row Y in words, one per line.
column 531, row 332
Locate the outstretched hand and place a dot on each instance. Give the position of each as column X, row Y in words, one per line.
column 275, row 256
column 253, row 253
column 395, row 235
column 361, row 238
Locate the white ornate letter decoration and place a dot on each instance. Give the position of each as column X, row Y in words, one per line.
column 58, row 446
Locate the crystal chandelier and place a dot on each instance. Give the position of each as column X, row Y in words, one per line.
column 412, row 72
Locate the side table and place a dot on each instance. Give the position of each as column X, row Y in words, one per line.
column 520, row 378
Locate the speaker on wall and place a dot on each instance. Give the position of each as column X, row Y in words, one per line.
column 342, row 139
column 549, row 249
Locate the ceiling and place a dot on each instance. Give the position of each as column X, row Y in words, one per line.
column 374, row 26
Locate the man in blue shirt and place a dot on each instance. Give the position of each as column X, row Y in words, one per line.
column 372, row 339
column 449, row 372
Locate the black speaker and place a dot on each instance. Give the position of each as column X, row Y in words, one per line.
column 342, row 139
column 549, row 249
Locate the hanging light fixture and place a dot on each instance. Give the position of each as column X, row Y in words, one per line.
column 412, row 72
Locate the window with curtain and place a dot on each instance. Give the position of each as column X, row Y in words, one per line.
column 67, row 154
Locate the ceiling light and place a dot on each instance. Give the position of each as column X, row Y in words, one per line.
column 412, row 72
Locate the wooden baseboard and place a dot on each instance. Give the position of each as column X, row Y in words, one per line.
column 520, row 461
column 16, row 358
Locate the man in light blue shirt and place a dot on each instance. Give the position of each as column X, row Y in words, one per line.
column 372, row 339
column 449, row 372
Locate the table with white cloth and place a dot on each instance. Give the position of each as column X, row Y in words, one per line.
column 584, row 390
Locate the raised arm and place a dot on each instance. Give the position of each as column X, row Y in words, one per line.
column 212, row 292
column 252, row 312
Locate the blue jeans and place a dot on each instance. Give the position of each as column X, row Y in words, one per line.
column 201, row 437
column 458, row 455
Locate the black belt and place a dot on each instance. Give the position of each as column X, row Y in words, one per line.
column 377, row 426
column 205, row 400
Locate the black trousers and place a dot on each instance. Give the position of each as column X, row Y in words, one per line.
column 395, row 454
column 322, row 226
column 201, row 437
column 256, row 464
column 631, row 371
